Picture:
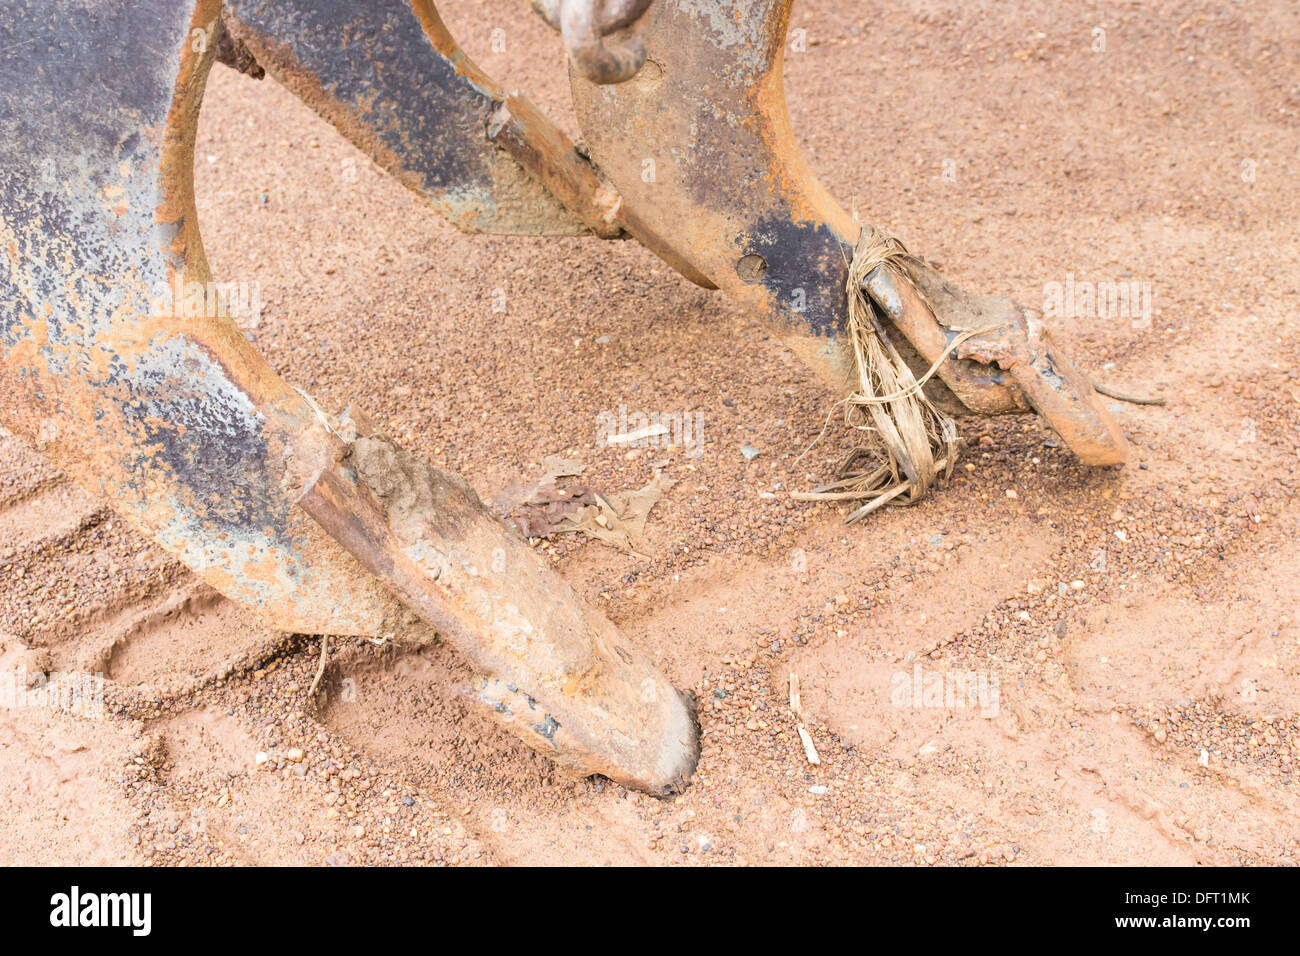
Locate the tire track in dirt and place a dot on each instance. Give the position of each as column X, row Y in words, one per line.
column 23, row 472
column 61, row 584
column 243, row 770
column 47, row 512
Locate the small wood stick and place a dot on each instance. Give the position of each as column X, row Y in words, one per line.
column 320, row 670
column 796, row 705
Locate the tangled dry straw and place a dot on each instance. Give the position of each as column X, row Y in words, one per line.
column 907, row 444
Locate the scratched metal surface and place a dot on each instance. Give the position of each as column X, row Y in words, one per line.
column 730, row 185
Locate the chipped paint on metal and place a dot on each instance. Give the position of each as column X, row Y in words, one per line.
column 389, row 76
column 160, row 415
column 730, row 180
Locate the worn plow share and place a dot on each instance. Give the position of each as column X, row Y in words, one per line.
column 314, row 521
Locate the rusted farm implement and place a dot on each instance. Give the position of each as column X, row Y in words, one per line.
column 313, row 520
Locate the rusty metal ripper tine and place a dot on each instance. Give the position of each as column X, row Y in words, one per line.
column 178, row 422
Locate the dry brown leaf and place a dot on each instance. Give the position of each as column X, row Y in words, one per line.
column 542, row 504
column 634, row 506
column 619, row 521
column 549, row 509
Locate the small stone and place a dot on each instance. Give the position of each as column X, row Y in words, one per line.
column 750, row 452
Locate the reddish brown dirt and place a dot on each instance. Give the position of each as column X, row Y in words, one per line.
column 1140, row 624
